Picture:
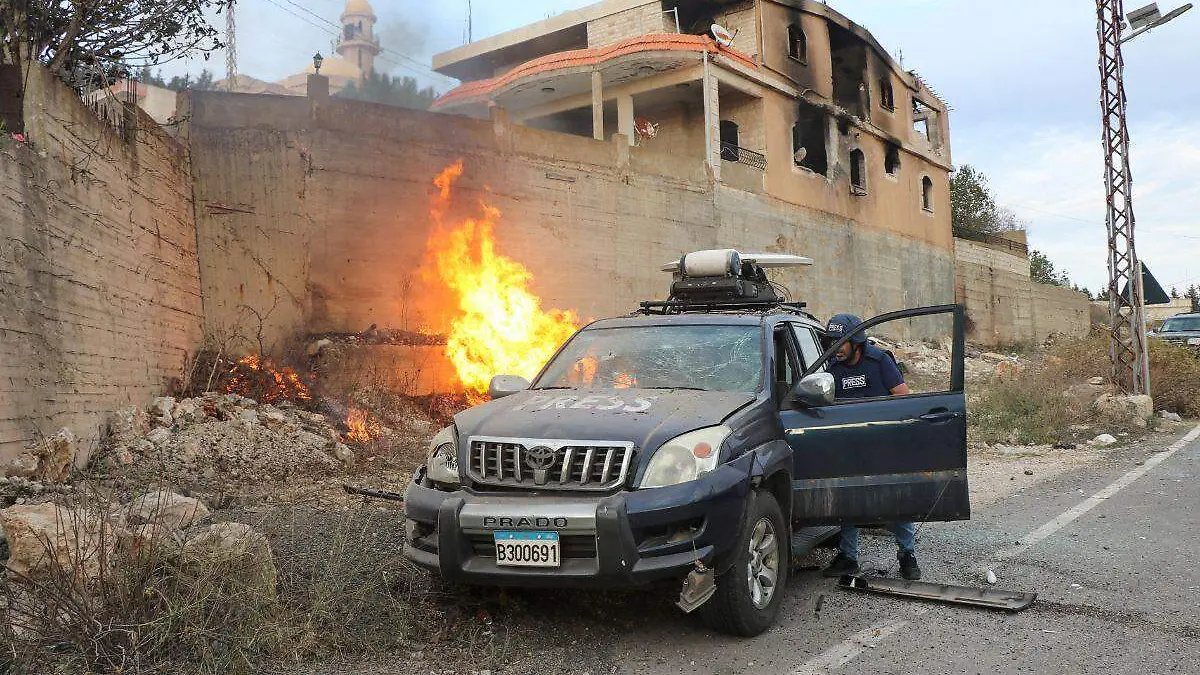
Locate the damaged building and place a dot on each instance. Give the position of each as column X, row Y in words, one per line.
column 794, row 100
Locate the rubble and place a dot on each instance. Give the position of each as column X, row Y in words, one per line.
column 1104, row 440
column 225, row 439
column 168, row 509
column 49, row 460
column 233, row 546
column 1170, row 416
column 1120, row 408
column 46, row 537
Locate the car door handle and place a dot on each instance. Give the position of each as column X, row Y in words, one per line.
column 943, row 416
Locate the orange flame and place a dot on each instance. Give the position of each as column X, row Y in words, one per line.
column 258, row 378
column 361, row 427
column 500, row 327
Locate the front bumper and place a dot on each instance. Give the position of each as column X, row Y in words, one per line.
column 624, row 539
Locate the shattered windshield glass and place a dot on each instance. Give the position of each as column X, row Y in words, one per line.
column 1181, row 324
column 711, row 358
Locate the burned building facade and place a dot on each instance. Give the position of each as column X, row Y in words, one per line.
column 795, row 101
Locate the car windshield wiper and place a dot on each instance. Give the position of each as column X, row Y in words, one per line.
column 686, row 388
column 541, row 388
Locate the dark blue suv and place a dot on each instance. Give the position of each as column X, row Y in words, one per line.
column 699, row 438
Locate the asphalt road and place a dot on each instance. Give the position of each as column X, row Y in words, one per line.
column 1110, row 548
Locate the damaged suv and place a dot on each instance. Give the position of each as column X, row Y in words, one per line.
column 697, row 439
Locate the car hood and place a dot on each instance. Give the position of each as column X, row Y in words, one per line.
column 645, row 417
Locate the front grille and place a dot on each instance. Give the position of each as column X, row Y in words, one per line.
column 573, row 545
column 549, row 465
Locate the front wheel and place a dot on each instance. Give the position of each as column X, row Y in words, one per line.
column 748, row 595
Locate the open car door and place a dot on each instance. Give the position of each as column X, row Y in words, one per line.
column 887, row 459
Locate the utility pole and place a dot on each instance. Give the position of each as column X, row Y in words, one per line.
column 1127, row 318
column 230, row 47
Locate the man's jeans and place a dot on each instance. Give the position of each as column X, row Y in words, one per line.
column 905, row 533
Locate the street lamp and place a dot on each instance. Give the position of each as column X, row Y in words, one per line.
column 1128, row 351
column 1149, row 17
column 317, row 61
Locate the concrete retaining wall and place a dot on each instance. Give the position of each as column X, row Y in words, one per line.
column 316, row 214
column 99, row 287
column 1005, row 306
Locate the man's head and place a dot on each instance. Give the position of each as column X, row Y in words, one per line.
column 842, row 324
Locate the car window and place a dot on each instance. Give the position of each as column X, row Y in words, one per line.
column 1180, row 324
column 810, row 351
column 711, row 358
column 787, row 366
column 918, row 349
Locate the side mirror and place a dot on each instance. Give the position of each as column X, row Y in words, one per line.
column 504, row 385
column 815, row 390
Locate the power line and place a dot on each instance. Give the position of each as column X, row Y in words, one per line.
column 1089, row 222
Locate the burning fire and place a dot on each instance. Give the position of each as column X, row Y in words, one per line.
column 258, row 378
column 500, row 327
column 361, row 426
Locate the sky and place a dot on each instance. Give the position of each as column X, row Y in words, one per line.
column 1021, row 77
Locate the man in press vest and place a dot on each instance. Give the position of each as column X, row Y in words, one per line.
column 862, row 370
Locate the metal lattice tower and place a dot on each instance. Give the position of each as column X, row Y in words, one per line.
column 1130, row 362
column 230, row 47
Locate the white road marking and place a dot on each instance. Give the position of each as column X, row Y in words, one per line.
column 849, row 649
column 1095, row 500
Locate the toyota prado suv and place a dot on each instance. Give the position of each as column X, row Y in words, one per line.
column 697, row 439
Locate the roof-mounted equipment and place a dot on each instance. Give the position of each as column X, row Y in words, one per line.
column 725, row 279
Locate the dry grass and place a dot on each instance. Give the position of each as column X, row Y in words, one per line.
column 147, row 608
column 1029, row 407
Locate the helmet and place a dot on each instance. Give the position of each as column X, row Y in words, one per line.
column 841, row 324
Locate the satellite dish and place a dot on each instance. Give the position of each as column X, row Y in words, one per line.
column 722, row 35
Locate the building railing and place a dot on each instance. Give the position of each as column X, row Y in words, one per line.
column 732, row 153
column 1018, row 247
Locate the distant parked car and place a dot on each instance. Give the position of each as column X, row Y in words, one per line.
column 1181, row 329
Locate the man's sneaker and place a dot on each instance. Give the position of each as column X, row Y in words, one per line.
column 908, row 566
column 841, row 566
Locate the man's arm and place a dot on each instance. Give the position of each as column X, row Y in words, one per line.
column 892, row 378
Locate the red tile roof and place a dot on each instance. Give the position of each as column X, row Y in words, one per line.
column 652, row 42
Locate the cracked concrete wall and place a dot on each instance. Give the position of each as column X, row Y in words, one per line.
column 99, row 282
column 319, row 210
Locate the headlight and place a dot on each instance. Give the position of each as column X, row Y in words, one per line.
column 443, row 457
column 1194, row 342
column 685, row 457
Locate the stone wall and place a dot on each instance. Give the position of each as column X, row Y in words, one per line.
column 1005, row 306
column 631, row 23
column 315, row 215
column 99, row 288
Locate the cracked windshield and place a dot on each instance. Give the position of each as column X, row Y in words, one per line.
column 711, row 358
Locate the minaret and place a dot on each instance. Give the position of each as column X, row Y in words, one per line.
column 358, row 44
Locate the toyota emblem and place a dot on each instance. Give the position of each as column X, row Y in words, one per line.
column 539, row 458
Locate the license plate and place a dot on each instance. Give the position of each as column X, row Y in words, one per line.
column 527, row 549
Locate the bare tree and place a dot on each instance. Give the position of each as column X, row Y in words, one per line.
column 83, row 40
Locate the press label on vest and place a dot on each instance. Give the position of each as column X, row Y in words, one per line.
column 854, row 381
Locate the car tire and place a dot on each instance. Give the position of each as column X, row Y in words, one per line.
column 737, row 607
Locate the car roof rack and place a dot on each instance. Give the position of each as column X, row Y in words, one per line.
column 724, row 280
column 671, row 307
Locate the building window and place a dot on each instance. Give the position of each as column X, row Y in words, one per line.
column 809, row 135
column 927, row 194
column 891, row 163
column 887, row 98
column 797, row 44
column 730, row 150
column 858, row 172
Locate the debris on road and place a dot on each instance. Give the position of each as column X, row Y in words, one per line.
column 1011, row 601
column 1104, row 440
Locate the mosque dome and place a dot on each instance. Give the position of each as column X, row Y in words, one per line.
column 358, row 7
